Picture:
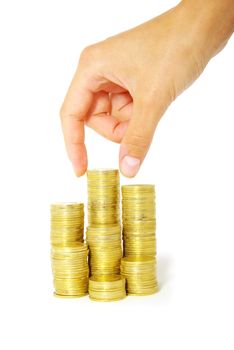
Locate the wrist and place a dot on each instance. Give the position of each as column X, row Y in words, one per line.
column 213, row 23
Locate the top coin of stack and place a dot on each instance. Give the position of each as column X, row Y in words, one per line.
column 139, row 224
column 67, row 223
column 103, row 197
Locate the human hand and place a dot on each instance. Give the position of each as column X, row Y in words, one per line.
column 124, row 84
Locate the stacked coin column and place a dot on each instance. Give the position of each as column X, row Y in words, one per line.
column 69, row 256
column 103, row 198
column 139, row 224
column 103, row 235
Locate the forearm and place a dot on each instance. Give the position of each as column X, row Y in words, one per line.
column 214, row 23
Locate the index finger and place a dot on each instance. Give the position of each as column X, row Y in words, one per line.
column 74, row 109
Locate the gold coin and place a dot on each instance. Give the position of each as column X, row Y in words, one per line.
column 69, row 296
column 103, row 197
column 70, row 269
column 105, row 248
column 67, row 223
column 107, row 288
column 140, row 274
column 139, row 224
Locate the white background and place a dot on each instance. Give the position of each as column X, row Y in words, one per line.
column 190, row 162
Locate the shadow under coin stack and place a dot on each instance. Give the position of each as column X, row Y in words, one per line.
column 139, row 224
column 69, row 256
column 103, row 236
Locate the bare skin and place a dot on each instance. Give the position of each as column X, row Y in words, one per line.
column 124, row 84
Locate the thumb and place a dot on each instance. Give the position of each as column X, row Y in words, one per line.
column 140, row 132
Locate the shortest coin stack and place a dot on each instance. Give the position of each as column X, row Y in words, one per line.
column 140, row 275
column 70, row 270
column 107, row 288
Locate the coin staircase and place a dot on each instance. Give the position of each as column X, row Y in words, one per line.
column 117, row 258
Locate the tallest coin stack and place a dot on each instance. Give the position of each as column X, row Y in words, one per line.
column 104, row 235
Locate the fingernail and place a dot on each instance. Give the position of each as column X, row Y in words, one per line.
column 130, row 166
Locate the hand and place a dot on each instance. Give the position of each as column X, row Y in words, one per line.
column 124, row 84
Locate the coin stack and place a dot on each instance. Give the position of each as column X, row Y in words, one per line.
column 103, row 197
column 70, row 270
column 103, row 235
column 105, row 249
column 107, row 288
column 67, row 223
column 111, row 276
column 68, row 253
column 140, row 274
column 139, row 224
